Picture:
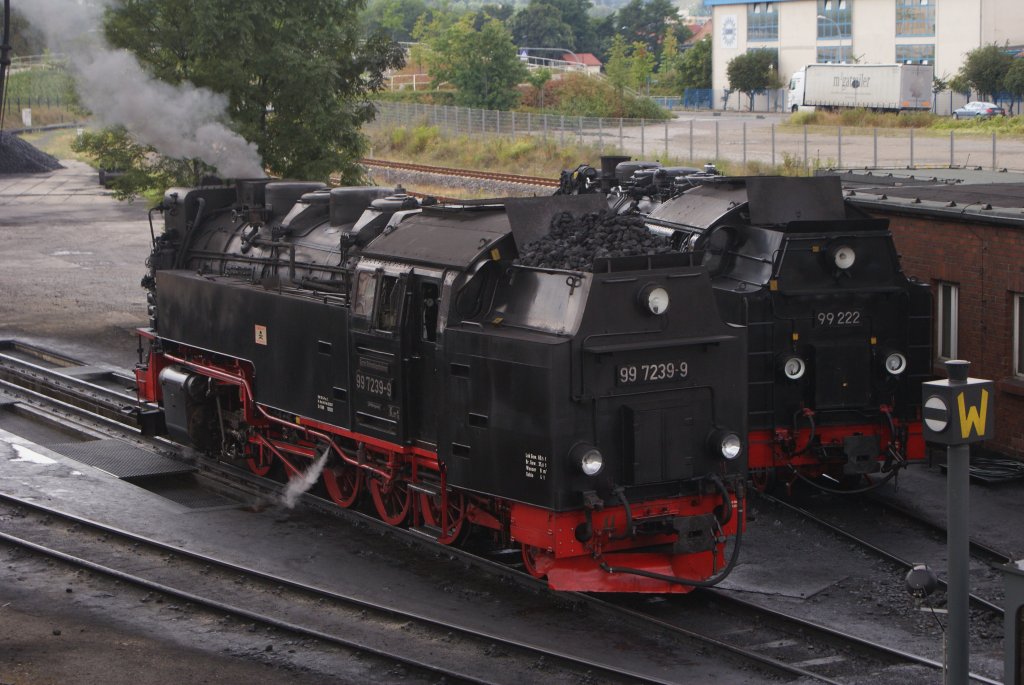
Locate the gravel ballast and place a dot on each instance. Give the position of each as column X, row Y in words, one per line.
column 20, row 157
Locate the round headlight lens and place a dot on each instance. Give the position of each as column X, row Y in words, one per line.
column 794, row 368
column 591, row 462
column 731, row 446
column 656, row 300
column 895, row 363
column 844, row 257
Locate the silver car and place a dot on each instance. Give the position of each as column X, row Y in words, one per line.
column 978, row 109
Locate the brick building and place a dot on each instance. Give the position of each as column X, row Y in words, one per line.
column 967, row 240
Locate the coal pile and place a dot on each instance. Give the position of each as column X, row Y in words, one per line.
column 576, row 240
column 19, row 157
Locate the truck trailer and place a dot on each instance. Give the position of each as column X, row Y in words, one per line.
column 889, row 87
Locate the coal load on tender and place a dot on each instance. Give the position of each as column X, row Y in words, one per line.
column 576, row 240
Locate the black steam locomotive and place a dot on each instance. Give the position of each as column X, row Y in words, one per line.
column 595, row 417
column 839, row 337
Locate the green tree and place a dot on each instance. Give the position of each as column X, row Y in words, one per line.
column 985, row 70
column 617, row 68
column 539, row 25
column 752, row 72
column 641, row 66
column 695, row 71
column 670, row 65
column 482, row 64
column 297, row 75
column 538, row 78
column 1014, row 81
column 395, row 17
column 649, row 20
column 142, row 168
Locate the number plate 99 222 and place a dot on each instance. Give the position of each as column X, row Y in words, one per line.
column 848, row 317
column 653, row 372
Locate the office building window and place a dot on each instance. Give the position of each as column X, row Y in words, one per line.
column 834, row 54
column 1018, row 335
column 762, row 21
column 915, row 54
column 835, row 19
column 946, row 319
column 915, row 17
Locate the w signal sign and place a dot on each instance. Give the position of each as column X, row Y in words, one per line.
column 958, row 411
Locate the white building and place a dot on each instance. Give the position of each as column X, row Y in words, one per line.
column 938, row 32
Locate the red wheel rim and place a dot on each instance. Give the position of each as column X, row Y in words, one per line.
column 431, row 507
column 344, row 483
column 391, row 500
column 259, row 464
column 536, row 561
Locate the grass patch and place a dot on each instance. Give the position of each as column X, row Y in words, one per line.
column 863, row 118
column 57, row 143
column 526, row 155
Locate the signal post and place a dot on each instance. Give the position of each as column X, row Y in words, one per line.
column 958, row 412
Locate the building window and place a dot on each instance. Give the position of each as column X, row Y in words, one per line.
column 915, row 17
column 1018, row 335
column 915, row 54
column 834, row 54
column 835, row 19
column 946, row 319
column 762, row 21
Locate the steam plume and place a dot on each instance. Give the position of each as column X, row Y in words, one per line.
column 300, row 484
column 178, row 120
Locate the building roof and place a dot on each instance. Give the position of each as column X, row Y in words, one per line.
column 584, row 58
column 700, row 32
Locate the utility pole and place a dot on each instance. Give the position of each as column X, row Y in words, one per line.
column 5, row 59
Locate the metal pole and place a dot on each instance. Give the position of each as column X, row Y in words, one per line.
column 875, row 142
column 839, row 145
column 579, row 132
column 773, row 144
column 911, row 148
column 993, row 152
column 744, row 144
column 621, row 148
column 666, row 141
column 600, row 133
column 716, row 139
column 807, row 162
column 643, row 142
column 691, row 139
column 958, row 582
column 951, row 157
column 561, row 130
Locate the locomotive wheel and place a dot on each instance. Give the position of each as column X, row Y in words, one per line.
column 430, row 505
column 536, row 561
column 391, row 500
column 260, row 464
column 344, row 484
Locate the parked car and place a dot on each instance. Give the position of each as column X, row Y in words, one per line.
column 978, row 109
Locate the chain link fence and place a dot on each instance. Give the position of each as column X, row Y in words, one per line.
column 751, row 138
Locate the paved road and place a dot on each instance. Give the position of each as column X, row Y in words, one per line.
column 77, row 255
column 739, row 137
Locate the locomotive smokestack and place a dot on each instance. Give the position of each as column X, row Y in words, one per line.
column 178, row 120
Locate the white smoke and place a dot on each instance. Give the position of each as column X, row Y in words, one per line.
column 297, row 485
column 178, row 120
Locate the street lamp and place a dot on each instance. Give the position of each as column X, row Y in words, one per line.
column 839, row 33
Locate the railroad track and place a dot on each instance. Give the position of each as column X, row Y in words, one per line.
column 901, row 519
column 309, row 612
column 462, row 173
column 787, row 645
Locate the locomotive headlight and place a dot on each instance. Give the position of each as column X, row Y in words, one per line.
column 794, row 368
column 843, row 256
column 730, row 446
column 588, row 458
column 654, row 299
column 895, row 363
column 726, row 444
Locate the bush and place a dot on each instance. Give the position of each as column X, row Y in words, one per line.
column 577, row 95
column 864, row 118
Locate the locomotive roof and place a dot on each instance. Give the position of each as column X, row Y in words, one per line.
column 444, row 237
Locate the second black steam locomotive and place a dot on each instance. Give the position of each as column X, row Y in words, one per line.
column 839, row 337
column 596, row 418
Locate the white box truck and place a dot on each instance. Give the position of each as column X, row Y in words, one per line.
column 893, row 87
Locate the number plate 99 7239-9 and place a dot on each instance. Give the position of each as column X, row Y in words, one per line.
column 848, row 317
column 654, row 372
